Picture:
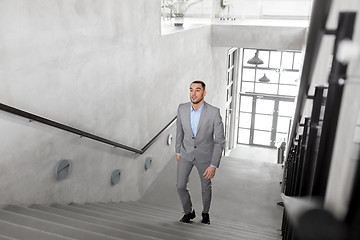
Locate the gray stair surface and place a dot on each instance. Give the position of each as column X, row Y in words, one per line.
column 122, row 220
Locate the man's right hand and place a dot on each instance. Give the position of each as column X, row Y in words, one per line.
column 177, row 157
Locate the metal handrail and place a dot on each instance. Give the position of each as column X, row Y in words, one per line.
column 317, row 29
column 67, row 128
column 311, row 221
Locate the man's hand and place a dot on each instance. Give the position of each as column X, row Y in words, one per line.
column 209, row 173
column 177, row 157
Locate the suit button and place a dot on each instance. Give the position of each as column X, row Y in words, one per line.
column 195, row 147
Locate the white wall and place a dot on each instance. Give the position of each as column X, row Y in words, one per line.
column 103, row 67
column 259, row 9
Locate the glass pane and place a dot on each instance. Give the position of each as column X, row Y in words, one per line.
column 264, row 106
column 248, row 74
column 270, row 74
column 298, row 61
column 288, row 90
column 262, row 138
column 246, row 104
column 247, row 87
column 263, row 122
column 244, row 136
column 266, row 88
column 275, row 59
column 280, row 137
column 283, row 124
column 286, row 108
column 287, row 60
column 231, row 60
column 248, row 54
column 289, row 77
column 264, row 55
column 245, row 120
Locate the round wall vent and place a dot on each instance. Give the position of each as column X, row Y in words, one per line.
column 169, row 139
column 62, row 169
column 115, row 176
column 148, row 163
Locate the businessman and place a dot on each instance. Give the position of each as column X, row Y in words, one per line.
column 200, row 143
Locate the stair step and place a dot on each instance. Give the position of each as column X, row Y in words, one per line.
column 122, row 220
column 3, row 237
column 220, row 221
column 216, row 232
column 47, row 225
column 25, row 233
column 95, row 228
column 169, row 210
column 217, row 229
column 145, row 229
column 167, row 225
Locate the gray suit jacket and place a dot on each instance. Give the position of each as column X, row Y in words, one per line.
column 208, row 144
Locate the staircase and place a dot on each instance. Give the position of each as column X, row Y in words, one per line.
column 124, row 220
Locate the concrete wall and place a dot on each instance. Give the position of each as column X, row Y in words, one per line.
column 258, row 36
column 103, row 67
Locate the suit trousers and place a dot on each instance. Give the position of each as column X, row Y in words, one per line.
column 184, row 168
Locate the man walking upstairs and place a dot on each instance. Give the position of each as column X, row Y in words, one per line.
column 200, row 143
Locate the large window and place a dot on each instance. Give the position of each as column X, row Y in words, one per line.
column 281, row 69
column 269, row 84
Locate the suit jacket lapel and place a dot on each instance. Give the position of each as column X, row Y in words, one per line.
column 202, row 117
column 187, row 116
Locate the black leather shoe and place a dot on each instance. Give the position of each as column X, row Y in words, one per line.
column 187, row 217
column 205, row 218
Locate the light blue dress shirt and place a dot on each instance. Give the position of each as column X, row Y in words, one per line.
column 195, row 118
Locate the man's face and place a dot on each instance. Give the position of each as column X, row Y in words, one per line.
column 197, row 93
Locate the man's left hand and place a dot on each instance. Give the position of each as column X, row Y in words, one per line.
column 209, row 173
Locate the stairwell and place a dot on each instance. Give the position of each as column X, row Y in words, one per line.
column 247, row 211
column 124, row 220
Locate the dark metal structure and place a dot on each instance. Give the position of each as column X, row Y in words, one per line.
column 83, row 133
column 311, row 143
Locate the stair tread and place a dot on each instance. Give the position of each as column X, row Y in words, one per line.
column 167, row 225
column 111, row 232
column 127, row 224
column 216, row 222
column 50, row 226
column 216, row 228
column 143, row 215
column 3, row 237
column 25, row 233
column 149, row 205
column 121, row 220
column 224, row 224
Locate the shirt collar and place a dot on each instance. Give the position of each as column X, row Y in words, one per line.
column 199, row 110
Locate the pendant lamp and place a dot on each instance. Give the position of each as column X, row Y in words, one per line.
column 264, row 79
column 255, row 60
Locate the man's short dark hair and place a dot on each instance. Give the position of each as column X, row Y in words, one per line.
column 200, row 82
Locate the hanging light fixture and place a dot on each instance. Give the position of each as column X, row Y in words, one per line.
column 264, row 79
column 255, row 60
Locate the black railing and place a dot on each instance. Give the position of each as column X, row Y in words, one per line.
column 320, row 11
column 345, row 29
column 80, row 132
column 311, row 143
column 310, row 221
